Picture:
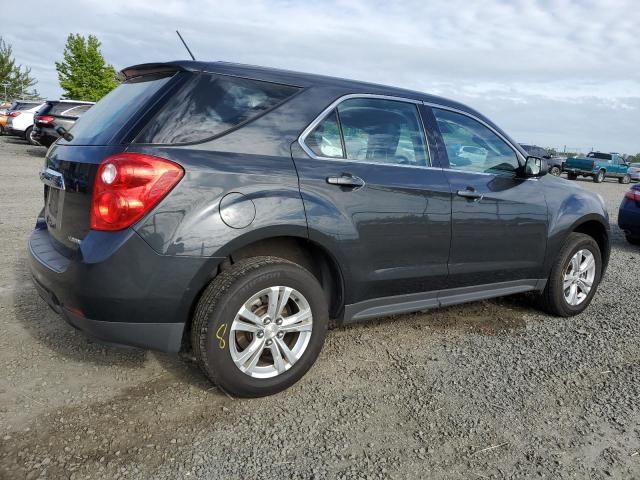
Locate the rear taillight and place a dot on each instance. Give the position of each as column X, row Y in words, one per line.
column 129, row 185
column 46, row 119
column 633, row 194
column 14, row 114
column 593, row 165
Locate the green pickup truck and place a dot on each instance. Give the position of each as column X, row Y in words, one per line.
column 599, row 166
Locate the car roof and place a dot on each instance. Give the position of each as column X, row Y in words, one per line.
column 304, row 80
column 290, row 77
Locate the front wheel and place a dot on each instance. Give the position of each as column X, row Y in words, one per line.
column 574, row 277
column 259, row 326
column 555, row 171
column 626, row 179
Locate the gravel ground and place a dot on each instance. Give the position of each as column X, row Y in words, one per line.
column 487, row 390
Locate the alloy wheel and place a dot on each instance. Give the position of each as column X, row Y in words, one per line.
column 270, row 332
column 578, row 277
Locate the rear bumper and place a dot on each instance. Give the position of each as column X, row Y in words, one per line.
column 44, row 135
column 116, row 289
column 14, row 131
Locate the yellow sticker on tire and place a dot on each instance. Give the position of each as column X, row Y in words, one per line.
column 222, row 329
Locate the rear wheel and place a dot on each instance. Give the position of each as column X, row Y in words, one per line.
column 28, row 136
column 259, row 326
column 626, row 179
column 574, row 277
column 599, row 177
column 555, row 171
column 632, row 240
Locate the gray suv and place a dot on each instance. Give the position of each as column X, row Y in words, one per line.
column 233, row 210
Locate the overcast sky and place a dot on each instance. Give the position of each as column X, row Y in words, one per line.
column 550, row 72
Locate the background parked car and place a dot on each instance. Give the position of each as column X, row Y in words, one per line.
column 629, row 215
column 598, row 165
column 634, row 171
column 54, row 114
column 20, row 119
column 555, row 164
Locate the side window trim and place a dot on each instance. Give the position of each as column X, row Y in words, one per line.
column 334, row 105
column 519, row 156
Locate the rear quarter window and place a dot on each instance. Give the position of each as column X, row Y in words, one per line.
column 210, row 105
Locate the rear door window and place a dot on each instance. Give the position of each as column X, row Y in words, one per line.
column 383, row 131
column 210, row 105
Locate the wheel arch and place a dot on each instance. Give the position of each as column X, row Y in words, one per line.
column 596, row 229
column 296, row 248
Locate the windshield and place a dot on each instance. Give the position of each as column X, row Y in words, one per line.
column 106, row 119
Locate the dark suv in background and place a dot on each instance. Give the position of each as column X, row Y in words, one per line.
column 54, row 114
column 236, row 209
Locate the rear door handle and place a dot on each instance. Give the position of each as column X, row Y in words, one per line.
column 471, row 194
column 346, row 180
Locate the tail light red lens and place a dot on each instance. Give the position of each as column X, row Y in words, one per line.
column 46, row 119
column 128, row 186
column 633, row 195
column 14, row 114
column 593, row 165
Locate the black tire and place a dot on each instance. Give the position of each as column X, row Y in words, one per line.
column 599, row 177
column 552, row 298
column 555, row 171
column 626, row 179
column 632, row 240
column 219, row 305
column 28, row 136
column 572, row 176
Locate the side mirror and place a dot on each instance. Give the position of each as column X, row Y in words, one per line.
column 535, row 167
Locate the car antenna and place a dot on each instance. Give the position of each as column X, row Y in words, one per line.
column 185, row 45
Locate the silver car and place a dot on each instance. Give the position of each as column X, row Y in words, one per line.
column 634, row 171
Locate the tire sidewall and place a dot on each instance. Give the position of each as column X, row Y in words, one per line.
column 555, row 171
column 218, row 355
column 581, row 243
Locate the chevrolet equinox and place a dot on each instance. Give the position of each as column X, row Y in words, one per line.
column 234, row 210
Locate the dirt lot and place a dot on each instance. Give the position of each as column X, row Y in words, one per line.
column 488, row 390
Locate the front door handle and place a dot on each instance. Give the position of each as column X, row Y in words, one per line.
column 346, row 180
column 470, row 194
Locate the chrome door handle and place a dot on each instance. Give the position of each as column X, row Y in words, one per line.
column 470, row 194
column 346, row 180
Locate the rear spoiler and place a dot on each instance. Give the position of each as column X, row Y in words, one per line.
column 150, row 69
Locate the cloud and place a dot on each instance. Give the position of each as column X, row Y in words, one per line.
column 521, row 62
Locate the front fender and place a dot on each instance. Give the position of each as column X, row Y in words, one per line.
column 571, row 207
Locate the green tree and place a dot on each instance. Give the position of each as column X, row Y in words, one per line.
column 15, row 81
column 84, row 74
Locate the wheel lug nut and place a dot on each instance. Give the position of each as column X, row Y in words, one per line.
column 260, row 334
column 267, row 321
column 280, row 334
column 269, row 343
column 279, row 321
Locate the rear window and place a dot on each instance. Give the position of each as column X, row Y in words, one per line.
column 209, row 105
column 18, row 106
column 105, row 119
column 599, row 156
column 60, row 108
